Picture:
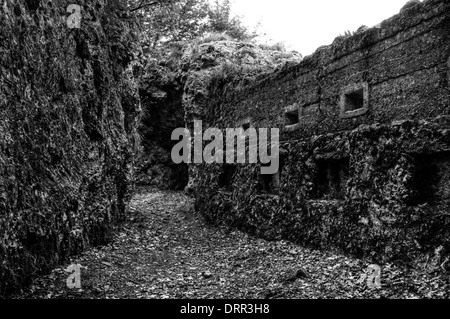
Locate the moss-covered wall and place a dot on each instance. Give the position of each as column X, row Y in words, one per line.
column 380, row 191
column 69, row 109
column 373, row 184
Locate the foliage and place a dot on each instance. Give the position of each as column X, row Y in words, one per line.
column 173, row 21
column 279, row 46
column 213, row 37
column 168, row 25
column 221, row 21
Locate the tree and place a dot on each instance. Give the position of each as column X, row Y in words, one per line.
column 135, row 5
column 167, row 22
column 221, row 21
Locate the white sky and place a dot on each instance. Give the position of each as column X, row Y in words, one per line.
column 305, row 25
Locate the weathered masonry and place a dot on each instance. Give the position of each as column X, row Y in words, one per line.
column 365, row 150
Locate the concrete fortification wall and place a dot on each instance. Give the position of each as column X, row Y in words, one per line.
column 365, row 147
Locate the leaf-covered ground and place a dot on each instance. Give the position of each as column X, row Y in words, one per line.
column 166, row 250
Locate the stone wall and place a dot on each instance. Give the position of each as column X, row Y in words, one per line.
column 215, row 71
column 174, row 89
column 69, row 108
column 403, row 62
column 365, row 150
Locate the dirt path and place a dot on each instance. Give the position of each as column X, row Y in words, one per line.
column 165, row 250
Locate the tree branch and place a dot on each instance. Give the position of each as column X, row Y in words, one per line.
column 142, row 5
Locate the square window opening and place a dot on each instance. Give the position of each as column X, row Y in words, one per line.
column 292, row 118
column 331, row 179
column 354, row 101
column 270, row 183
column 226, row 176
column 431, row 180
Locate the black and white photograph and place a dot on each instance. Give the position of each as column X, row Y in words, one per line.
column 224, row 156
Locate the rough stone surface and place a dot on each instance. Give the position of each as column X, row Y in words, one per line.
column 410, row 4
column 68, row 115
column 216, row 70
column 173, row 95
column 389, row 199
column 375, row 184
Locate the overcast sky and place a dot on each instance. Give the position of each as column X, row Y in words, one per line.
column 305, row 25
